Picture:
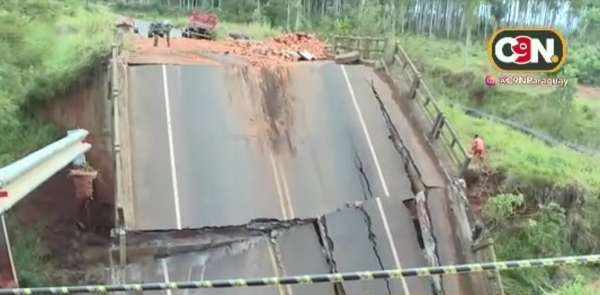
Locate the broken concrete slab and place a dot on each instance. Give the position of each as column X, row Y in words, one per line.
column 375, row 228
column 255, row 260
column 305, row 55
column 357, row 243
column 352, row 57
column 302, row 253
column 246, row 259
column 141, row 244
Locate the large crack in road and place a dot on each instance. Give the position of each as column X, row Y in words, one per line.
column 368, row 194
column 293, row 139
column 327, row 247
column 420, row 190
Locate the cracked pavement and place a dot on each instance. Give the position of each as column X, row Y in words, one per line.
column 280, row 171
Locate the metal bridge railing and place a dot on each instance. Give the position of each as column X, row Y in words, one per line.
column 313, row 279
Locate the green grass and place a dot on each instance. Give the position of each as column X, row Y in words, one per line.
column 444, row 67
column 45, row 60
column 256, row 31
column 544, row 174
column 521, row 156
column 30, row 255
column 525, row 159
column 576, row 288
column 450, row 55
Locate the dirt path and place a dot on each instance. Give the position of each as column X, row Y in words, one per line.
column 588, row 92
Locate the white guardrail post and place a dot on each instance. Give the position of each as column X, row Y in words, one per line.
column 23, row 176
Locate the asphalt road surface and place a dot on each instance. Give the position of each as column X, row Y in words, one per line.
column 218, row 145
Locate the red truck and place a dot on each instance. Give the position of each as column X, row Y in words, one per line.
column 128, row 23
column 202, row 26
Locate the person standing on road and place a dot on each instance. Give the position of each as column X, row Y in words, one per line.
column 155, row 31
column 167, row 26
column 478, row 149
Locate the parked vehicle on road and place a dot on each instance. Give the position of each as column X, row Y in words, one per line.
column 129, row 24
column 201, row 26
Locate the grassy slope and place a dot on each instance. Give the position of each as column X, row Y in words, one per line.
column 576, row 288
column 45, row 59
column 527, row 162
column 529, row 105
column 521, row 156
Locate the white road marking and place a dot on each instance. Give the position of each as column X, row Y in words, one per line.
column 166, row 274
column 364, row 128
column 381, row 178
column 171, row 149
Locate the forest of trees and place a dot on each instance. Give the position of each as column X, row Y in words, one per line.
column 456, row 19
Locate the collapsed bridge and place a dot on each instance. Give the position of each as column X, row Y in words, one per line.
column 241, row 171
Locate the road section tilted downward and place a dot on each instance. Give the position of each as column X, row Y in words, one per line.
column 231, row 146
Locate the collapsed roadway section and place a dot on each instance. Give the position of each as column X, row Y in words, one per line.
column 244, row 171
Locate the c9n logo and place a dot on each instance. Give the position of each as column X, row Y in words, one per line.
column 527, row 50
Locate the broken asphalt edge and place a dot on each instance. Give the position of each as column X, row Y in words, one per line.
column 455, row 188
column 419, row 189
column 162, row 243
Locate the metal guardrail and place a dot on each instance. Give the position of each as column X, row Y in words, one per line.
column 313, row 278
column 370, row 48
column 440, row 127
column 20, row 178
column 23, row 176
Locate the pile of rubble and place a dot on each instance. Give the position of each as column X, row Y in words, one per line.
column 275, row 51
column 285, row 48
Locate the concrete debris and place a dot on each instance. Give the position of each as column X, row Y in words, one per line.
column 348, row 58
column 269, row 225
column 305, row 55
column 276, row 51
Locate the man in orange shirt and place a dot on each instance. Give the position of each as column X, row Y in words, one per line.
column 478, row 149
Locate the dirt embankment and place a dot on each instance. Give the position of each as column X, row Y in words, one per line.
column 275, row 51
column 76, row 234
